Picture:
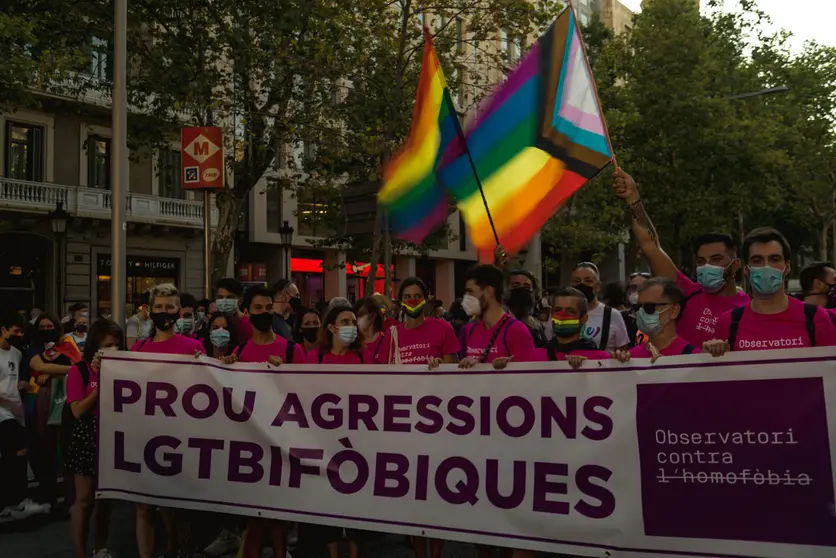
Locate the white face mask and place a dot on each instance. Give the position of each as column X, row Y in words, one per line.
column 364, row 322
column 471, row 305
column 633, row 298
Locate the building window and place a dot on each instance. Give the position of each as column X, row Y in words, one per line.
column 98, row 162
column 462, row 234
column 170, row 174
column 274, row 208
column 24, row 152
column 584, row 19
column 508, row 46
column 99, row 59
column 313, row 211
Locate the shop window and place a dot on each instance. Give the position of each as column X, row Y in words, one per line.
column 24, row 157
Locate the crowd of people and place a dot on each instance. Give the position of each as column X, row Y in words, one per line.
column 49, row 366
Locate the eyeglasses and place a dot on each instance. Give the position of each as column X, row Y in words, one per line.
column 650, row 307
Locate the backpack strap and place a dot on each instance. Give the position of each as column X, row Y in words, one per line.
column 688, row 349
column 464, row 337
column 360, row 354
column 320, row 356
column 240, row 350
column 291, row 348
column 810, row 321
column 605, row 328
column 736, row 316
column 142, row 343
column 377, row 348
column 85, row 373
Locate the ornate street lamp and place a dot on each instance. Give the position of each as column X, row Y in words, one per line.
column 286, row 234
column 59, row 218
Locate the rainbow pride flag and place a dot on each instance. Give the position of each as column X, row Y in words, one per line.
column 417, row 204
column 534, row 142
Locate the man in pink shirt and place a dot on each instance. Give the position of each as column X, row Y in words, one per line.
column 569, row 315
column 495, row 334
column 265, row 345
column 229, row 296
column 772, row 320
column 715, row 291
column 660, row 307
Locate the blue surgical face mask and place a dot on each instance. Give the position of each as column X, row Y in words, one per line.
column 184, row 325
column 226, row 305
column 711, row 277
column 219, row 337
column 650, row 324
column 348, row 334
column 766, row 280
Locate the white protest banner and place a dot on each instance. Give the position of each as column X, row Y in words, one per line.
column 689, row 456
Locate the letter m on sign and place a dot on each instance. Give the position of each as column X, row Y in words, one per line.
column 201, row 148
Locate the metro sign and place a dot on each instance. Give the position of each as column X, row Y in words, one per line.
column 203, row 158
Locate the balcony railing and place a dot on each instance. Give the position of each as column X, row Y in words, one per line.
column 42, row 197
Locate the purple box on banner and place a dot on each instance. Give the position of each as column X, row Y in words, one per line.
column 738, row 460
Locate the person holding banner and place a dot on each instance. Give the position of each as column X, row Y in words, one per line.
column 660, row 305
column 83, row 397
column 265, row 345
column 229, row 294
column 715, row 291
column 339, row 340
column 495, row 335
column 569, row 316
column 221, row 335
column 772, row 320
column 370, row 323
column 306, row 331
column 165, row 309
column 420, row 340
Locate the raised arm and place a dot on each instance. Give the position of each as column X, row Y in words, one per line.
column 643, row 229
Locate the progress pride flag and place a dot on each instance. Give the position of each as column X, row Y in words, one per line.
column 689, row 456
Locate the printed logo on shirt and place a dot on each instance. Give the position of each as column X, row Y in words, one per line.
column 407, row 356
column 707, row 322
column 477, row 351
column 783, row 343
column 94, row 385
column 11, row 366
column 591, row 332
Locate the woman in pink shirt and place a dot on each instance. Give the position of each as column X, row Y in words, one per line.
column 83, row 397
column 221, row 335
column 339, row 340
column 370, row 323
column 660, row 305
column 420, row 339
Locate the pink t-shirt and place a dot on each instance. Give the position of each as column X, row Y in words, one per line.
column 262, row 353
column 376, row 351
column 245, row 328
column 514, row 340
column 785, row 330
column 674, row 349
column 76, row 390
column 330, row 358
column 175, row 345
column 698, row 322
column 433, row 338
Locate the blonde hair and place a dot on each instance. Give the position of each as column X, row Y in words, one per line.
column 163, row 290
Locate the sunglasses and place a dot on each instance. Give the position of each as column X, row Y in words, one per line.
column 650, row 307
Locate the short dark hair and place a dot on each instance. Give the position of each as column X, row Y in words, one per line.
column 232, row 285
column 297, row 323
column 78, row 306
column 487, row 275
column 572, row 292
column 372, row 306
column 232, row 327
column 413, row 281
column 811, row 272
column 258, row 291
column 326, row 338
column 279, row 286
column 715, row 238
column 205, row 303
column 670, row 289
column 98, row 331
column 525, row 273
column 763, row 235
column 12, row 319
column 145, row 298
column 188, row 301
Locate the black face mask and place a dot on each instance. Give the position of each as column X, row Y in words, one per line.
column 48, row 336
column 81, row 328
column 588, row 292
column 520, row 299
column 163, row 321
column 15, row 341
column 262, row 322
column 310, row 334
column 295, row 303
column 831, row 296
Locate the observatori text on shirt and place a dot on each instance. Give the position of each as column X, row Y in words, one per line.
column 622, row 458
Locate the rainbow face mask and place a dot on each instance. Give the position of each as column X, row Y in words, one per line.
column 414, row 311
column 565, row 325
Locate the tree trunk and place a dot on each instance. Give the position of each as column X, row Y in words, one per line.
column 229, row 211
column 823, row 247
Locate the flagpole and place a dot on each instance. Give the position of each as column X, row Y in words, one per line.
column 594, row 85
column 463, row 139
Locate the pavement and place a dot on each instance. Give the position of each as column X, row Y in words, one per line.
column 48, row 537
